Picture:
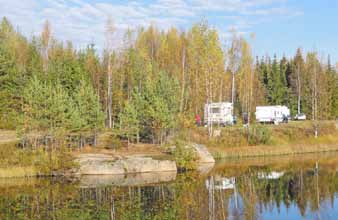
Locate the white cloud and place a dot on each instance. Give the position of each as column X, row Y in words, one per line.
column 83, row 21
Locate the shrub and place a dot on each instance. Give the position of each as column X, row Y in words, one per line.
column 185, row 156
column 111, row 140
column 115, row 143
column 259, row 135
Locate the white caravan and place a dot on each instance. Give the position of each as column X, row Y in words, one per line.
column 272, row 114
column 218, row 113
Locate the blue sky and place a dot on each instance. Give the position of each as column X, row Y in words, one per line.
column 280, row 26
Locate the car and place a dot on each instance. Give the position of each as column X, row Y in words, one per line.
column 300, row 117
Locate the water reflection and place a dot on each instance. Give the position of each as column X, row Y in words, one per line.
column 138, row 179
column 269, row 188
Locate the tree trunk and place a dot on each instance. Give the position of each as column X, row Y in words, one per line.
column 183, row 81
column 208, row 100
column 109, row 93
column 95, row 138
column 315, row 104
column 112, row 208
column 233, row 93
column 250, row 95
column 299, row 89
column 138, row 136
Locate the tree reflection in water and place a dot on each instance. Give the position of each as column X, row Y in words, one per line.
column 293, row 188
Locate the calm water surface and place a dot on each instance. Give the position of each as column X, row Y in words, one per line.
column 302, row 187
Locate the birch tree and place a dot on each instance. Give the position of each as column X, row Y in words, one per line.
column 298, row 70
column 245, row 79
column 234, row 63
column 45, row 42
column 110, row 30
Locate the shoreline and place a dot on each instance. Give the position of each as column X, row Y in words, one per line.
column 259, row 151
column 285, row 140
column 268, row 151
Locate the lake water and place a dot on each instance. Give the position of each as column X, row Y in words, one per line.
column 302, row 187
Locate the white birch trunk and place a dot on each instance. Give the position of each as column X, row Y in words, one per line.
column 183, row 80
column 109, row 93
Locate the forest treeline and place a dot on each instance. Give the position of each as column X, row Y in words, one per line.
column 153, row 84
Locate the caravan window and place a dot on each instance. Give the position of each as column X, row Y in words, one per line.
column 215, row 110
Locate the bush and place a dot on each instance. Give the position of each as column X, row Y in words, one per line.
column 115, row 143
column 185, row 156
column 110, row 140
column 259, row 135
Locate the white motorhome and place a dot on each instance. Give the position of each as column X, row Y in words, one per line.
column 270, row 175
column 218, row 113
column 221, row 183
column 272, row 114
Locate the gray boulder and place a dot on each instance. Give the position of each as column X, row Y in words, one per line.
column 202, row 153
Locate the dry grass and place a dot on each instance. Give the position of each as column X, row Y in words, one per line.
column 256, row 151
column 8, row 136
column 18, row 183
column 133, row 149
column 285, row 139
column 12, row 172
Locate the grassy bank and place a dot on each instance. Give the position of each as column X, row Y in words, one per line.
column 268, row 140
column 18, row 171
column 19, row 162
column 8, row 137
column 231, row 142
column 261, row 150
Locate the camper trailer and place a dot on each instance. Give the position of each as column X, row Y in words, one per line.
column 218, row 113
column 272, row 114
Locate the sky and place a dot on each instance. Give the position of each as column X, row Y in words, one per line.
column 279, row 26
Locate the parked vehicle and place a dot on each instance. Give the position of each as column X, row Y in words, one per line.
column 220, row 183
column 272, row 114
column 300, row 117
column 273, row 175
column 219, row 113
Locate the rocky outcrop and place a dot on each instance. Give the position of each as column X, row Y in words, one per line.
column 203, row 154
column 102, row 164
